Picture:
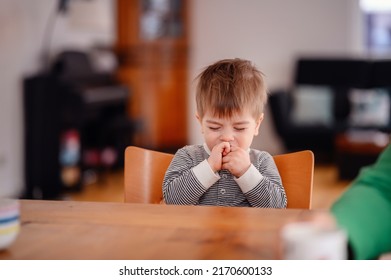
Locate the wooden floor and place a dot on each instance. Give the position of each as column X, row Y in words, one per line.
column 109, row 187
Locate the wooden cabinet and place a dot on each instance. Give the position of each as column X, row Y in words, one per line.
column 152, row 46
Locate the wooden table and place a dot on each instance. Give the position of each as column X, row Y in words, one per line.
column 102, row 230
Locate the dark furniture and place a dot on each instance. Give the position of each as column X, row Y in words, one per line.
column 340, row 76
column 75, row 119
column 153, row 47
column 355, row 149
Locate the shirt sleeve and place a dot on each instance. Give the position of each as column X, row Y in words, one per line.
column 261, row 184
column 249, row 179
column 185, row 183
column 205, row 175
column 364, row 210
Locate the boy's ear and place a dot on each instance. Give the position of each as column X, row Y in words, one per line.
column 200, row 121
column 198, row 116
column 258, row 123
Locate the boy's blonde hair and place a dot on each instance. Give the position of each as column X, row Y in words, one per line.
column 229, row 86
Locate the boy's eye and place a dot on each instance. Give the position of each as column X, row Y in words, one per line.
column 214, row 128
column 240, row 128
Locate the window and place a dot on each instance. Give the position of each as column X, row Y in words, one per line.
column 377, row 18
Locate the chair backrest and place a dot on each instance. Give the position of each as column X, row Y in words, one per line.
column 144, row 174
column 145, row 169
column 297, row 173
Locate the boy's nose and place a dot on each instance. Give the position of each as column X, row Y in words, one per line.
column 226, row 137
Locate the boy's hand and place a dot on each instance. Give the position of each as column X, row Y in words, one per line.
column 219, row 151
column 237, row 161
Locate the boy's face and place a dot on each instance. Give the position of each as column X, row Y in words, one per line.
column 239, row 130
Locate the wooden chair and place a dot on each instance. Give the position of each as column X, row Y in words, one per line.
column 297, row 173
column 144, row 174
column 145, row 169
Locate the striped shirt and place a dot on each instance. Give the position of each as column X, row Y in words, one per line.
column 189, row 180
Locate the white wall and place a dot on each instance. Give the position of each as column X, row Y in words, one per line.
column 22, row 25
column 271, row 33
